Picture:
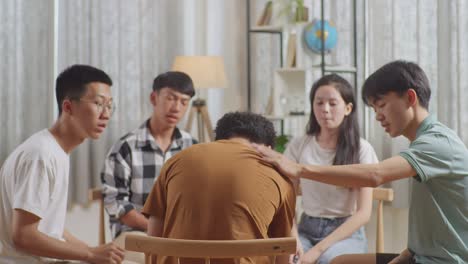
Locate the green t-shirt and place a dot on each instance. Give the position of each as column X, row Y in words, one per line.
column 438, row 216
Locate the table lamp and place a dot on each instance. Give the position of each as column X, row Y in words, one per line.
column 206, row 72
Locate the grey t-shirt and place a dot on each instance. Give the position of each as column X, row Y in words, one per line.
column 438, row 217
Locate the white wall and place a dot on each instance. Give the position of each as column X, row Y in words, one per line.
column 83, row 222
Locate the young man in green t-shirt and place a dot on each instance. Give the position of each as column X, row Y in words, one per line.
column 437, row 159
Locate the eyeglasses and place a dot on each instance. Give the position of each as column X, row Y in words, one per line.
column 100, row 105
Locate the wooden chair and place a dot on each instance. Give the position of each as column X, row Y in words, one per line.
column 381, row 195
column 93, row 195
column 209, row 249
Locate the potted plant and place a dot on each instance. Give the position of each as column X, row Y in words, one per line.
column 281, row 142
column 295, row 9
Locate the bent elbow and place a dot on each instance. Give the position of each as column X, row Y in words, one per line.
column 375, row 180
column 20, row 240
column 374, row 183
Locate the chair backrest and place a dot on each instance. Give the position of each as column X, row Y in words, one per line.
column 209, row 249
column 93, row 195
column 381, row 195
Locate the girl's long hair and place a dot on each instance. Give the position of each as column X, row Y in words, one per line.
column 348, row 144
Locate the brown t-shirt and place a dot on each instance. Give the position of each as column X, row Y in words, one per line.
column 221, row 191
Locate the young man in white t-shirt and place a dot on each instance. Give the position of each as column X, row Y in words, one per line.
column 34, row 178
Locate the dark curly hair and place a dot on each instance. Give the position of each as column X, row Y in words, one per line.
column 254, row 127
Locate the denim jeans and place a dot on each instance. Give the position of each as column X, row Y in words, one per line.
column 313, row 229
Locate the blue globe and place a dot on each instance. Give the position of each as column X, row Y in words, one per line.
column 313, row 36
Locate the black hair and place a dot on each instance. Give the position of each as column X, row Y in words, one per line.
column 71, row 83
column 348, row 142
column 397, row 76
column 176, row 80
column 254, row 127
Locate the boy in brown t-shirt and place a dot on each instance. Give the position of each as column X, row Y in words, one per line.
column 221, row 190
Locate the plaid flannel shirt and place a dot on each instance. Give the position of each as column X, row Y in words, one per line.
column 130, row 169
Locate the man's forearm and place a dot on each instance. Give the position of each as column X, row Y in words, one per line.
column 135, row 220
column 73, row 240
column 155, row 226
column 357, row 175
column 360, row 175
column 39, row 244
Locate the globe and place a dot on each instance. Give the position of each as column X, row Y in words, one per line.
column 313, row 36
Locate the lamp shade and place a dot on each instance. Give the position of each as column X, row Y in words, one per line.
column 205, row 71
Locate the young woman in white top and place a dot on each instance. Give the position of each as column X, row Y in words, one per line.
column 333, row 218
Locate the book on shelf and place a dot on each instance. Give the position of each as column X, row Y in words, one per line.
column 265, row 17
column 291, row 51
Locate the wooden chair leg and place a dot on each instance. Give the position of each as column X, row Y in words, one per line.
column 102, row 231
column 380, row 232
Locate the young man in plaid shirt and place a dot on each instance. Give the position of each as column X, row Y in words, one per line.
column 134, row 162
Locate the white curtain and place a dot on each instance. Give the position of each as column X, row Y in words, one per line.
column 26, row 71
column 135, row 40
column 432, row 33
column 435, row 35
column 132, row 41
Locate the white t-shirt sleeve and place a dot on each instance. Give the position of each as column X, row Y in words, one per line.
column 367, row 153
column 293, row 149
column 33, row 186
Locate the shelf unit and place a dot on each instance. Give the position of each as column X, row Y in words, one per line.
column 275, row 30
column 340, row 69
column 291, row 84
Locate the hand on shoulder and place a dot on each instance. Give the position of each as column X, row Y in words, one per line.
column 285, row 166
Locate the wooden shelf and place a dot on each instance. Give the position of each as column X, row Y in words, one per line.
column 291, row 125
column 282, row 117
column 292, row 80
column 338, row 68
column 266, row 29
column 291, row 70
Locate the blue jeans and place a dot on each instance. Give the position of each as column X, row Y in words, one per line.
column 313, row 229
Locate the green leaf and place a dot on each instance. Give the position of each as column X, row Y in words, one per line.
column 280, row 143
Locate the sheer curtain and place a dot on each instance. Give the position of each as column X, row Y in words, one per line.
column 135, row 40
column 433, row 34
column 26, row 71
column 132, row 41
